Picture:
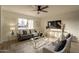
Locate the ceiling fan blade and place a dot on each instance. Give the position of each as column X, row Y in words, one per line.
column 44, row 7
column 44, row 11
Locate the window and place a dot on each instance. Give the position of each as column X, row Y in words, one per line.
column 30, row 24
column 25, row 24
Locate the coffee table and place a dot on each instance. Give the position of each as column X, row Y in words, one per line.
column 40, row 42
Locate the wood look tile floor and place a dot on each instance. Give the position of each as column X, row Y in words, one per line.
column 74, row 47
column 28, row 47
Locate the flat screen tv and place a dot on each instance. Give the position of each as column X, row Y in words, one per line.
column 54, row 24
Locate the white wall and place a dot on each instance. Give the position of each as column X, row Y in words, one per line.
column 70, row 19
column 12, row 18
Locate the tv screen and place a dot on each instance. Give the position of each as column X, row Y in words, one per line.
column 54, row 24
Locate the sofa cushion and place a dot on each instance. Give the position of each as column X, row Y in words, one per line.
column 59, row 46
column 24, row 32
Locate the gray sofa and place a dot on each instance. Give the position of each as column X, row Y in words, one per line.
column 21, row 37
column 27, row 36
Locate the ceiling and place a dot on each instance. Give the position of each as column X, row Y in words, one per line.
column 52, row 10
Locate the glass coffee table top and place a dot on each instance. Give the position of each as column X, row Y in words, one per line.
column 40, row 42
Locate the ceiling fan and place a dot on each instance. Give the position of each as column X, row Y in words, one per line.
column 41, row 8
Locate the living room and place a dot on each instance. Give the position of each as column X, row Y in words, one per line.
column 29, row 18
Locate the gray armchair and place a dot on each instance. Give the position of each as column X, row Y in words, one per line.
column 64, row 47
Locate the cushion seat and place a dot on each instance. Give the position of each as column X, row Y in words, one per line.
column 60, row 45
